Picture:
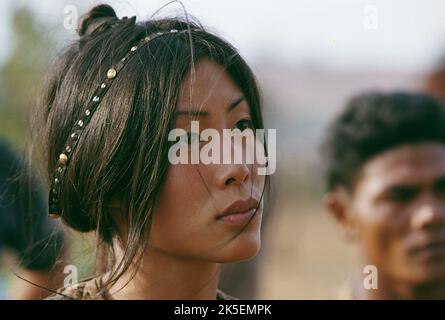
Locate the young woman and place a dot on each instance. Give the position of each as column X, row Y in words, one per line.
column 109, row 104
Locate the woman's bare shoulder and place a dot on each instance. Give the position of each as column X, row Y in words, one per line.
column 85, row 290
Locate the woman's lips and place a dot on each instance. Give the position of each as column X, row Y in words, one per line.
column 238, row 218
column 239, row 212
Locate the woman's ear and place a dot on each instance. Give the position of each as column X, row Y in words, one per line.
column 117, row 208
column 115, row 204
column 339, row 205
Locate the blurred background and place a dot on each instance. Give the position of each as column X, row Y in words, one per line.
column 310, row 56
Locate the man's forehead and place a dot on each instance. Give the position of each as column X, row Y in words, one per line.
column 406, row 164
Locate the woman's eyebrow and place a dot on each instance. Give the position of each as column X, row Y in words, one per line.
column 192, row 112
column 234, row 104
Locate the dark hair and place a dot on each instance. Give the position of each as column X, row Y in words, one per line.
column 372, row 123
column 123, row 151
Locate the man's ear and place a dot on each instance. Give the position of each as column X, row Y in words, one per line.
column 339, row 205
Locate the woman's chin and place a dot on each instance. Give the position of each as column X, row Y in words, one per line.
column 245, row 246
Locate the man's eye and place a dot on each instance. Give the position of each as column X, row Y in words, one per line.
column 244, row 124
column 402, row 195
column 439, row 188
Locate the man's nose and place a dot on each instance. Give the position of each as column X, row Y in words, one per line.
column 429, row 214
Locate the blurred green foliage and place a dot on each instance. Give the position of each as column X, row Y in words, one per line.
column 21, row 76
column 21, row 81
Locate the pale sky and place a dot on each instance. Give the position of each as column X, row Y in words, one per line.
column 409, row 34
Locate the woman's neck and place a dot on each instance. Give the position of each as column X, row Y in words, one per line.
column 165, row 276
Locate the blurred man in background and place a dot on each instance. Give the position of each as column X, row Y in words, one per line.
column 26, row 233
column 435, row 82
column 385, row 173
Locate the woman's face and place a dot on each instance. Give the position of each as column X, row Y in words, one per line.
column 210, row 212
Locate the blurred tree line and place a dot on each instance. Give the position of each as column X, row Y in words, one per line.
column 22, row 75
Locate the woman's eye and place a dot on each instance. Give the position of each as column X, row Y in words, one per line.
column 244, row 124
column 193, row 137
column 189, row 138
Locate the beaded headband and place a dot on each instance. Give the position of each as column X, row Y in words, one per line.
column 76, row 132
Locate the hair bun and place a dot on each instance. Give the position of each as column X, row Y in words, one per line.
column 96, row 17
